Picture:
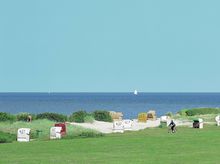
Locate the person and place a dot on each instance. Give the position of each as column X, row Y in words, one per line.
column 172, row 125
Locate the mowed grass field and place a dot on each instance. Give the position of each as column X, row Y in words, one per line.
column 201, row 146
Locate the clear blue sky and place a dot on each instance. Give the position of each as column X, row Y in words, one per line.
column 109, row 46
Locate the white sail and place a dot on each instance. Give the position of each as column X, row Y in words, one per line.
column 135, row 92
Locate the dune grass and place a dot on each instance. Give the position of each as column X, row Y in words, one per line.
column 150, row 146
column 205, row 117
column 207, row 114
column 44, row 126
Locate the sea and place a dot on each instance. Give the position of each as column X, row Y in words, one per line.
column 128, row 103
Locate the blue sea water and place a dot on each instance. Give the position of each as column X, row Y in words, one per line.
column 128, row 103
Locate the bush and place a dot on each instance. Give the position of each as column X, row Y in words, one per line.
column 7, row 117
column 78, row 116
column 52, row 116
column 183, row 112
column 90, row 134
column 89, row 119
column 170, row 114
column 100, row 115
column 6, row 137
column 163, row 125
column 24, row 116
column 202, row 111
column 34, row 135
column 85, row 134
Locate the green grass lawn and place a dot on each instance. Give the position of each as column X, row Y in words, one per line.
column 187, row 146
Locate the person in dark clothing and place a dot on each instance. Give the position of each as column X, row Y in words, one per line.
column 172, row 125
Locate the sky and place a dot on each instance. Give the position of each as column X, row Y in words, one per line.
column 109, row 46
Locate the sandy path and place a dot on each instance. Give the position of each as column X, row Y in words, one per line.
column 106, row 127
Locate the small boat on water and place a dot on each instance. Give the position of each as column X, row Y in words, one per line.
column 135, row 92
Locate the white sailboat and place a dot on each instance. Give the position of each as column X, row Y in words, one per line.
column 135, row 92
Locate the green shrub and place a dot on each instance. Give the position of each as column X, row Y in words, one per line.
column 78, row 116
column 6, row 137
column 89, row 119
column 34, row 135
column 163, row 125
column 84, row 134
column 100, row 115
column 52, row 116
column 183, row 112
column 90, row 134
column 202, row 111
column 7, row 117
column 170, row 114
column 24, row 116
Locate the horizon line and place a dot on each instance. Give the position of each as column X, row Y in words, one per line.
column 100, row 92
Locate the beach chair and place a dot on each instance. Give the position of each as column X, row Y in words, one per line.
column 23, row 135
column 127, row 124
column 118, row 127
column 55, row 132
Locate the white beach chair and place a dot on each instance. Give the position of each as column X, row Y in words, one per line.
column 217, row 119
column 127, row 124
column 55, row 132
column 23, row 135
column 164, row 118
column 118, row 127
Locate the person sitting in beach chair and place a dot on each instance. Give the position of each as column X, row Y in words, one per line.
column 172, row 126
